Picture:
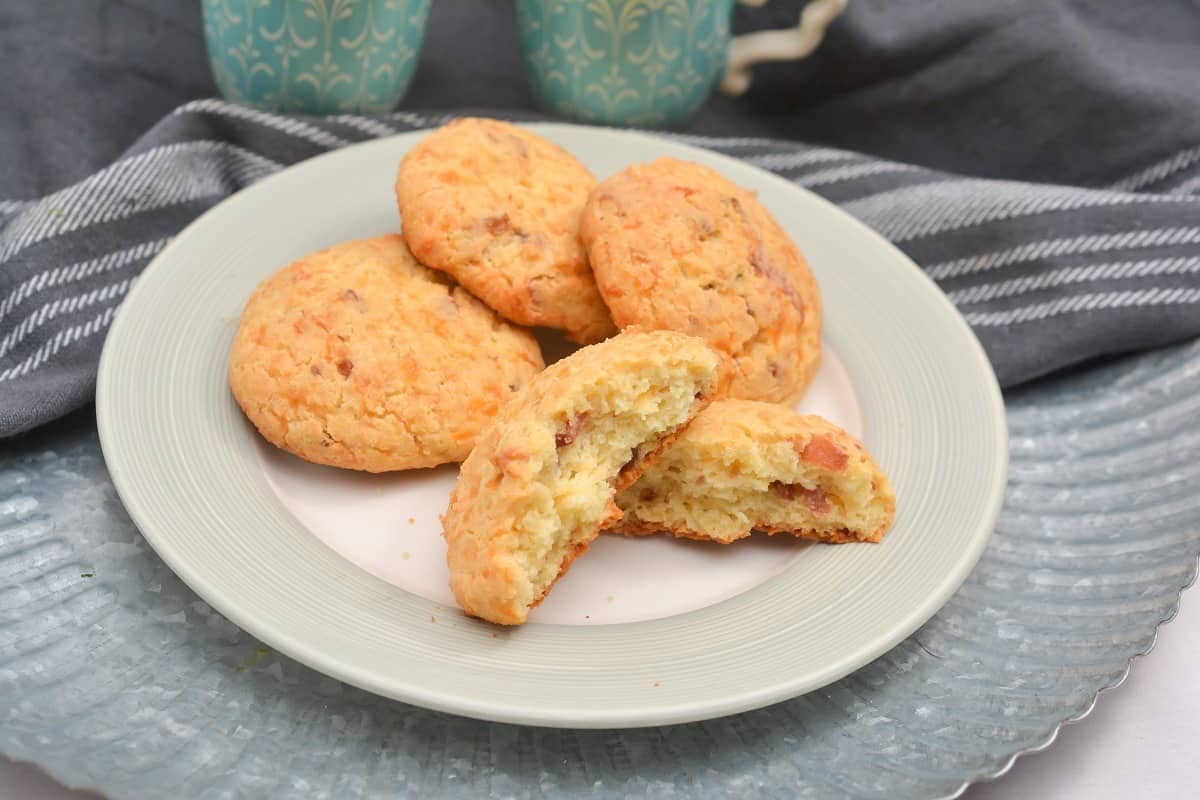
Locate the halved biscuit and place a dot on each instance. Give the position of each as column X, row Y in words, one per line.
column 743, row 466
column 539, row 485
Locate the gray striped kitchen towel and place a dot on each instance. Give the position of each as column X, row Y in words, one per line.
column 1048, row 276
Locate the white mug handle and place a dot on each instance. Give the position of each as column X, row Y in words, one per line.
column 786, row 44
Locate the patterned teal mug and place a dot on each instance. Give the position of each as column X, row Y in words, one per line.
column 649, row 62
column 315, row 56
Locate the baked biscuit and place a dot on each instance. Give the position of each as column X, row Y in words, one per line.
column 676, row 246
column 743, row 466
column 498, row 208
column 539, row 486
column 359, row 357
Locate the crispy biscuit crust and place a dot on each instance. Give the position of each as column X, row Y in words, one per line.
column 677, row 246
column 359, row 357
column 498, row 207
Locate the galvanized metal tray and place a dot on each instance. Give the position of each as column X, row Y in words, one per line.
column 114, row 676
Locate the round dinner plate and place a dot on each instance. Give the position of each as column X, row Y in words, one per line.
column 345, row 572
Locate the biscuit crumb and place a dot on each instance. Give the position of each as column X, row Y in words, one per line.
column 412, row 520
column 657, row 683
column 611, row 599
column 405, row 555
column 253, row 659
column 433, row 620
column 587, row 616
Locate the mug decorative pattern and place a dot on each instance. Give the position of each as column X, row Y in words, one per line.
column 315, row 56
column 650, row 63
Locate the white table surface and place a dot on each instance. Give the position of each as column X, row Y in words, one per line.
column 1140, row 741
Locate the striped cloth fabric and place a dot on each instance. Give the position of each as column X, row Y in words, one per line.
column 1048, row 276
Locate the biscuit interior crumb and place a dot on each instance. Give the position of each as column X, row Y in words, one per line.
column 720, row 487
column 727, row 504
column 625, row 417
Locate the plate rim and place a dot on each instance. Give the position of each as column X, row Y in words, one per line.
column 472, row 706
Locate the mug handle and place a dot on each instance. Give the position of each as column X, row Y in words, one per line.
column 786, row 44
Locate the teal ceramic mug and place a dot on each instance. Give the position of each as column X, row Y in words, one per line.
column 315, row 56
column 649, row 62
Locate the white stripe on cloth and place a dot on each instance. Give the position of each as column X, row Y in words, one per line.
column 160, row 177
column 718, row 141
column 1049, row 248
column 850, row 172
column 1117, row 270
column 293, row 127
column 50, row 278
column 785, row 161
column 367, row 125
column 62, row 339
column 1084, row 302
column 913, row 212
column 64, row 305
column 1157, row 172
column 422, row 120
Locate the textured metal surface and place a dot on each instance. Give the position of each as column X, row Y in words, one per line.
column 125, row 681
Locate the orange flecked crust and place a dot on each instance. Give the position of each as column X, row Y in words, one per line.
column 849, row 495
column 516, row 464
column 498, row 208
column 359, row 357
column 677, row 246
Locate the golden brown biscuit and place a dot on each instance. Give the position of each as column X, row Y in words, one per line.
column 743, row 466
column 498, row 208
column 359, row 357
column 676, row 246
column 538, row 487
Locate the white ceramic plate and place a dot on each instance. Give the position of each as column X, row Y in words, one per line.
column 345, row 572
